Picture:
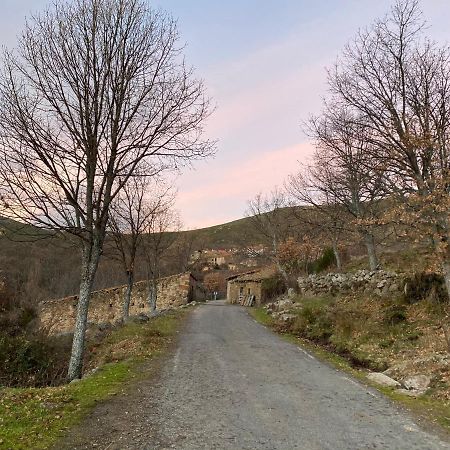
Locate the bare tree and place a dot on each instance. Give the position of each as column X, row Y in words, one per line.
column 161, row 234
column 398, row 82
column 270, row 217
column 95, row 88
column 182, row 251
column 128, row 220
column 344, row 176
column 318, row 210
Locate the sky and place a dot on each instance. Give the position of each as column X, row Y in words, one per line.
column 264, row 66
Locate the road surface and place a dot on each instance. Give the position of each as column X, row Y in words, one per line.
column 233, row 384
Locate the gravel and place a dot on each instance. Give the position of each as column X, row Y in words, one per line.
column 233, row 384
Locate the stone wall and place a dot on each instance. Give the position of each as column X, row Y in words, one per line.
column 380, row 283
column 58, row 316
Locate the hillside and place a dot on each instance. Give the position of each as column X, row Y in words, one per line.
column 40, row 265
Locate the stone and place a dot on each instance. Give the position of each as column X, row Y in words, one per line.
column 410, row 393
column 394, row 287
column 396, row 369
column 287, row 317
column 291, row 293
column 282, row 305
column 140, row 318
column 417, row 383
column 382, row 379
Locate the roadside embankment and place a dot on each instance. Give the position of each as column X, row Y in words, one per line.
column 399, row 347
column 35, row 418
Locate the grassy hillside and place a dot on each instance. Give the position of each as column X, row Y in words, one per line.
column 41, row 265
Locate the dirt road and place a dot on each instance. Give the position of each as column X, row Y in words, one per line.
column 233, row 384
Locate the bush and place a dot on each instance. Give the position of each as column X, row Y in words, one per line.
column 423, row 286
column 324, row 262
column 395, row 314
column 313, row 323
column 273, row 287
column 31, row 362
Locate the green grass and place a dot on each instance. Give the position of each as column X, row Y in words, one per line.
column 36, row 418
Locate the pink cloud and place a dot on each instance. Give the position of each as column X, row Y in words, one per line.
column 225, row 192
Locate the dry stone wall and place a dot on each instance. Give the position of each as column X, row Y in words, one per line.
column 58, row 316
column 379, row 282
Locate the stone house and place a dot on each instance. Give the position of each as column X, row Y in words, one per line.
column 250, row 288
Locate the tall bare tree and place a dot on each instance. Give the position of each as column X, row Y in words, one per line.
column 344, row 180
column 161, row 234
column 319, row 210
column 94, row 88
column 270, row 217
column 130, row 214
column 398, row 82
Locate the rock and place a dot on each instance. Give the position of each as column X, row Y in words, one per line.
column 291, row 293
column 287, row 317
column 396, row 369
column 282, row 305
column 91, row 372
column 140, row 318
column 384, row 380
column 394, row 288
column 417, row 383
column 410, row 393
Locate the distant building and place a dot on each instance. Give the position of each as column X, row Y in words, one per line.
column 213, row 257
column 249, row 288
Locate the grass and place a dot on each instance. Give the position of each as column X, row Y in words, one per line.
column 36, row 418
column 432, row 409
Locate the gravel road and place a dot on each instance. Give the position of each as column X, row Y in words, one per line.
column 233, row 384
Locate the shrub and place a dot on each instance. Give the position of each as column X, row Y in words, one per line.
column 424, row 285
column 313, row 322
column 31, row 362
column 395, row 314
column 273, row 287
column 326, row 260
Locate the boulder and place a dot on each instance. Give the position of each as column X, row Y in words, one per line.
column 291, row 293
column 410, row 393
column 396, row 370
column 417, row 383
column 383, row 380
column 287, row 317
column 283, row 305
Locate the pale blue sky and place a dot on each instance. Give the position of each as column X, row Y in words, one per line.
column 264, row 63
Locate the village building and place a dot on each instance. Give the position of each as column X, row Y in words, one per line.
column 212, row 258
column 251, row 288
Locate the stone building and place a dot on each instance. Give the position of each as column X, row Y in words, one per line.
column 106, row 305
column 249, row 288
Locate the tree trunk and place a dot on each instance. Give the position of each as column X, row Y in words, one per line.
column 152, row 295
column 369, row 240
column 446, row 274
column 128, row 291
column 89, row 263
column 337, row 256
